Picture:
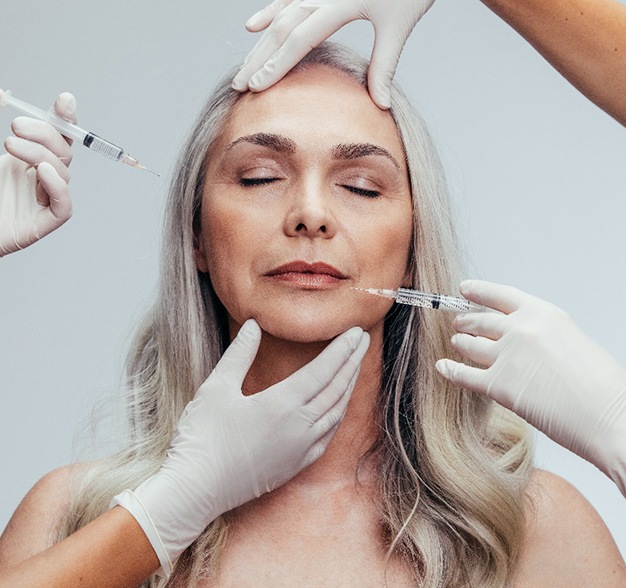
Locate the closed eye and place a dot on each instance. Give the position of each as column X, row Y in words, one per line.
column 361, row 191
column 249, row 182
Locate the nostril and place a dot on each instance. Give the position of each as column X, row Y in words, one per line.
column 300, row 227
column 323, row 228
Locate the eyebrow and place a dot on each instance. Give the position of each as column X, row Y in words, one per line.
column 356, row 150
column 275, row 142
column 342, row 151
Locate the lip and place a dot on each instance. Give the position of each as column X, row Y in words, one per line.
column 316, row 275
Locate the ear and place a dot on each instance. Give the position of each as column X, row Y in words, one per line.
column 199, row 249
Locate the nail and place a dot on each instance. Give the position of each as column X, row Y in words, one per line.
column 238, row 84
column 254, row 82
column 67, row 103
column 354, row 336
column 251, row 21
column 385, row 101
column 465, row 287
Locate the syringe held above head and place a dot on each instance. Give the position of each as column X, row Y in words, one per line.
column 427, row 300
column 71, row 131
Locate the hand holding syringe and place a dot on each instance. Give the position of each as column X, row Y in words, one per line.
column 71, row 131
column 34, row 175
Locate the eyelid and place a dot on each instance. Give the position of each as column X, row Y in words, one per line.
column 260, row 168
column 248, row 182
column 362, row 191
column 363, row 180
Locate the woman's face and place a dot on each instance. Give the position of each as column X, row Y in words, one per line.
column 306, row 197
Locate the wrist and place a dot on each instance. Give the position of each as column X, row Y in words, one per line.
column 129, row 501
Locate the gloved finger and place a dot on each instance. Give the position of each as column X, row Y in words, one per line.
column 506, row 299
column 315, row 29
column 57, row 199
column 238, row 357
column 319, row 447
column 463, row 376
column 388, row 45
column 45, row 134
column 324, row 430
column 264, row 17
column 335, row 414
column 272, row 39
column 34, row 153
column 269, row 42
column 65, row 107
column 240, row 81
column 340, row 387
column 483, row 324
column 263, row 56
column 319, row 373
column 477, row 349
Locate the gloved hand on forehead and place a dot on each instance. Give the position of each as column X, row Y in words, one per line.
column 294, row 27
column 229, row 448
column 543, row 367
column 34, row 195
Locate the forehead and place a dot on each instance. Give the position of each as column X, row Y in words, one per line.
column 318, row 109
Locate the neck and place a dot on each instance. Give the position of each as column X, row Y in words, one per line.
column 277, row 359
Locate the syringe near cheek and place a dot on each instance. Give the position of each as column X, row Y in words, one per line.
column 427, row 300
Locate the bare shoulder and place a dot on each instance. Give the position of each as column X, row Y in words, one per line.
column 567, row 544
column 37, row 518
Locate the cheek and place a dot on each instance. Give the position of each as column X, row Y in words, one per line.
column 227, row 240
column 387, row 245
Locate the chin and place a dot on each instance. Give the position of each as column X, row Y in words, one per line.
column 315, row 325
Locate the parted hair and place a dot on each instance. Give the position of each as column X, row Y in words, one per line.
column 452, row 466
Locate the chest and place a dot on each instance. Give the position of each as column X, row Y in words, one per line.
column 331, row 543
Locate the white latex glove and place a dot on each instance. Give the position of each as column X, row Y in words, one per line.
column 543, row 367
column 34, row 196
column 230, row 448
column 294, row 27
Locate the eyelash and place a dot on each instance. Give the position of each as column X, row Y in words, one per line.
column 252, row 182
column 361, row 191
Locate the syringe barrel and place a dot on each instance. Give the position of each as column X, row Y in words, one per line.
column 437, row 301
column 100, row 145
column 65, row 128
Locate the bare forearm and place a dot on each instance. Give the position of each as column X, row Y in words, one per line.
column 585, row 40
column 111, row 552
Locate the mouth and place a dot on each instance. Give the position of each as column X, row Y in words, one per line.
column 314, row 276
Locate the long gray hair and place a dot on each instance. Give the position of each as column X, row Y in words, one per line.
column 452, row 466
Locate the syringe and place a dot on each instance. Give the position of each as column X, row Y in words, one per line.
column 89, row 140
column 426, row 300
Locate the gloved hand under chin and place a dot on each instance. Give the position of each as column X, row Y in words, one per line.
column 229, row 448
column 294, row 27
column 543, row 367
column 34, row 196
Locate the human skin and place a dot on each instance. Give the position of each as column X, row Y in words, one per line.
column 28, row 538
column 585, row 40
column 110, row 552
column 321, row 527
column 326, row 527
column 317, row 201
column 331, row 187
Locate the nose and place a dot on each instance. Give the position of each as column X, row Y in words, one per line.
column 310, row 213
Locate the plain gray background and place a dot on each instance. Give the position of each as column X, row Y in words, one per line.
column 538, row 177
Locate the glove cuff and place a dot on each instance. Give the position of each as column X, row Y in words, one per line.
column 129, row 500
